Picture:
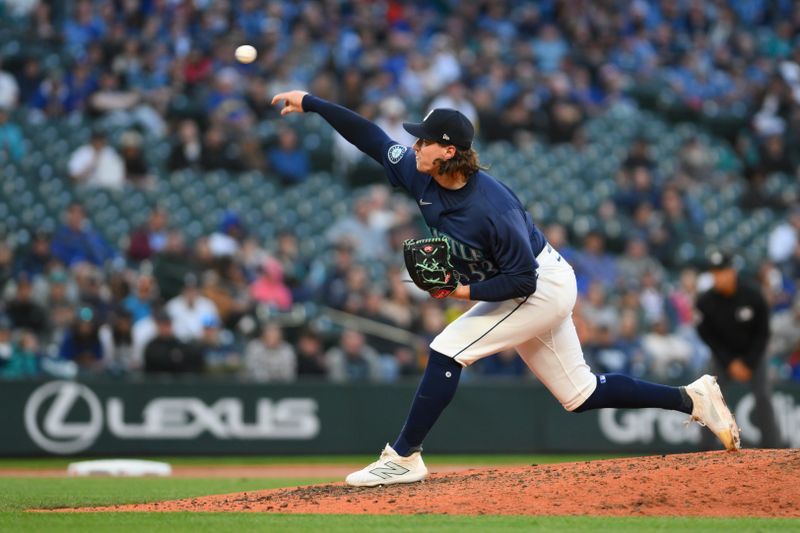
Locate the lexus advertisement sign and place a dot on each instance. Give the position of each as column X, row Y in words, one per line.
column 191, row 418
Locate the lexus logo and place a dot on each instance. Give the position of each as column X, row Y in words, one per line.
column 56, row 434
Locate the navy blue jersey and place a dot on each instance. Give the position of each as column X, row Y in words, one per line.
column 494, row 241
column 488, row 228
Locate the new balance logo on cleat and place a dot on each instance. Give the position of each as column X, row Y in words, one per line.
column 388, row 470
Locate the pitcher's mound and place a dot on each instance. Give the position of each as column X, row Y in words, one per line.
column 763, row 483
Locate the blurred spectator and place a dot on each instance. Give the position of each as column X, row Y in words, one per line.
column 636, row 188
column 696, row 160
column 116, row 340
column 296, row 268
column 372, row 309
column 151, row 237
column 227, row 240
column 639, row 156
column 681, row 299
column 229, row 291
column 252, row 154
column 774, row 156
column 602, row 352
column 226, row 101
column 25, row 359
column 652, row 297
column 549, row 48
column 777, row 289
column 12, row 143
column 167, row 354
column 564, row 113
column 36, row 259
column 679, row 227
column 597, row 310
column 81, row 343
column 455, row 97
column 187, row 148
column 784, row 238
column 124, row 108
column 97, row 164
column 189, row 311
column 53, row 99
column 23, row 311
column 172, row 264
column 60, row 301
column 629, row 342
column 757, row 194
column 636, row 261
column 9, row 89
column 269, row 357
column 288, row 159
column 397, row 306
column 333, row 285
column 137, row 171
column 92, row 289
column 392, row 112
column 357, row 285
column 310, row 354
column 220, row 353
column 352, row 360
column 140, row 302
column 593, row 263
column 216, row 153
column 368, row 242
column 30, row 78
column 269, row 289
column 75, row 240
column 668, row 355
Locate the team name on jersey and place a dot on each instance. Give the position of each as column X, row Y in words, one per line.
column 478, row 265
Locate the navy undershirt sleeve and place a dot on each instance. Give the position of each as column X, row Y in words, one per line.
column 515, row 258
column 359, row 131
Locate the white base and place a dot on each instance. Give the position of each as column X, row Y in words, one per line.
column 119, row 467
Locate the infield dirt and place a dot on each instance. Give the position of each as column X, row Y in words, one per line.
column 754, row 483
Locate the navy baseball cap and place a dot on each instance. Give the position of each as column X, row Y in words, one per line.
column 445, row 126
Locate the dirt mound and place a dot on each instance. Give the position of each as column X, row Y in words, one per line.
column 747, row 483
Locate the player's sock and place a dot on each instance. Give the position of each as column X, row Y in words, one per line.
column 617, row 390
column 436, row 389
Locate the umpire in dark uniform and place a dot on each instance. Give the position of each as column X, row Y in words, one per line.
column 734, row 323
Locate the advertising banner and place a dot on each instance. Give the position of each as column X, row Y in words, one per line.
column 193, row 418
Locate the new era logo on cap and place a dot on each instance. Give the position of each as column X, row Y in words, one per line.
column 444, row 125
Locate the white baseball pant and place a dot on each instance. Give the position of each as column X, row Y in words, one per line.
column 539, row 327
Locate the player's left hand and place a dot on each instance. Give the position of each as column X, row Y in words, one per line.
column 293, row 101
column 739, row 371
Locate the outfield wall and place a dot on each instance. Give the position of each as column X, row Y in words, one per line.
column 167, row 418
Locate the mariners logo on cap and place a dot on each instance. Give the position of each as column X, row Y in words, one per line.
column 396, row 153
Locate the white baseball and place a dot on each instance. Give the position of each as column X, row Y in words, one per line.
column 246, row 54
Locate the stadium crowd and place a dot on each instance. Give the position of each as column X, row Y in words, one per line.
column 524, row 72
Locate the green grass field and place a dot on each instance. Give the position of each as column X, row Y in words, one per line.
column 19, row 494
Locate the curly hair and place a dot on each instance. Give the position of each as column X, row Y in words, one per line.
column 465, row 162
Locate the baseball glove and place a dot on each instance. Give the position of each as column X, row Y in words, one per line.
column 428, row 263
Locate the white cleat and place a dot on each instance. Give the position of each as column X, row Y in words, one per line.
column 710, row 410
column 390, row 468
